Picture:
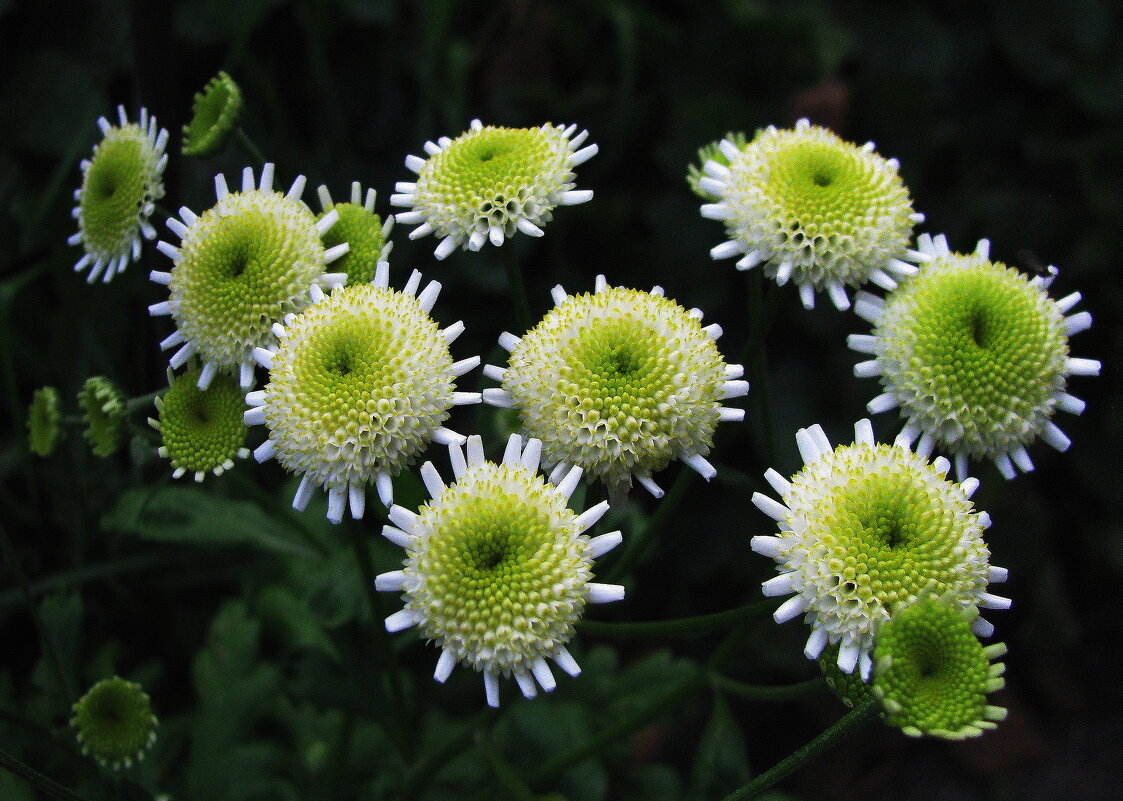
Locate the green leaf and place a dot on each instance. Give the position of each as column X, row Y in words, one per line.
column 292, row 621
column 61, row 616
column 721, row 764
column 191, row 516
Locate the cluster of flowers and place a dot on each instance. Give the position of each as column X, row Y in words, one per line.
column 876, row 544
column 878, row 550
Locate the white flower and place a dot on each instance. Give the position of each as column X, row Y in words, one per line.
column 497, row 567
column 490, row 182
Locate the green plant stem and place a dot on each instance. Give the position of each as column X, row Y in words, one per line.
column 47, row 786
column 851, row 722
column 248, row 145
column 695, row 626
column 140, row 402
column 764, row 692
column 762, row 312
column 516, row 286
column 516, row 788
column 634, row 545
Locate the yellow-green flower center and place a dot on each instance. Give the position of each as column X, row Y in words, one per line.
column 362, row 231
column 114, row 191
column 202, row 430
column 114, row 721
column 215, row 113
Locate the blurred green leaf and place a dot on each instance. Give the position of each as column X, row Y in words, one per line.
column 293, row 622
column 721, row 764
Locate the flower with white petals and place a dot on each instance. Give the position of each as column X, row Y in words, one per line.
column 121, row 183
column 813, row 209
column 498, row 569
column 975, row 355
column 359, row 385
column 619, row 382
column 364, row 232
column 865, row 527
column 241, row 266
column 490, row 182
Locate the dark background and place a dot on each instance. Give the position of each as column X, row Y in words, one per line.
column 1008, row 123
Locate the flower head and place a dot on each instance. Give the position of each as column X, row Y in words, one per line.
column 363, row 231
column 933, row 675
column 813, row 209
column 202, row 430
column 359, row 385
column 214, row 115
column 490, row 182
column 121, row 183
column 43, row 418
column 864, row 528
column 975, row 354
column 712, row 152
column 115, row 722
column 242, row 266
column 619, row 382
column 103, row 406
column 497, row 567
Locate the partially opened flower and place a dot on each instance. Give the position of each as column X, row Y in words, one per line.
column 359, row 385
column 44, row 416
column 121, row 183
column 712, row 152
column 619, row 382
column 114, row 722
column 498, row 569
column 933, row 675
column 366, row 235
column 241, row 266
column 867, row 527
column 214, row 116
column 103, row 409
column 201, row 430
column 490, row 182
column 975, row 355
column 813, row 209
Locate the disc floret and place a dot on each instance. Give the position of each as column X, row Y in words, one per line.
column 241, row 266
column 619, row 382
column 201, row 430
column 864, row 528
column 359, row 385
column 114, row 722
column 121, row 183
column 813, row 209
column 976, row 357
column 490, row 182
column 498, row 569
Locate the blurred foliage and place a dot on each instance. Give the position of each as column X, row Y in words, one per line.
column 250, row 626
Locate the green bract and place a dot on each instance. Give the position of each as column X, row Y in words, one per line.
column 202, row 430
column 619, row 382
column 214, row 116
column 115, row 722
column 812, row 208
column 362, row 230
column 497, row 571
column 490, row 182
column 359, row 385
column 975, row 354
column 43, row 417
column 240, row 268
column 864, row 528
column 121, row 182
column 933, row 675
column 103, row 406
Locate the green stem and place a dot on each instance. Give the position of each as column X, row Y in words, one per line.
column 762, row 313
column 516, row 286
column 634, row 545
column 852, row 721
column 764, row 692
column 695, row 626
column 248, row 145
column 516, row 788
column 132, row 404
column 48, row 786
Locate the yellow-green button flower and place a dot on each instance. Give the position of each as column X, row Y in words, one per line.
column 498, row 569
column 975, row 355
column 103, row 408
column 240, row 267
column 619, row 382
column 121, row 183
column 867, row 527
column 359, row 385
column 214, row 116
column 114, row 722
column 44, row 416
column 490, row 182
column 364, row 232
column 201, row 430
column 813, row 209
